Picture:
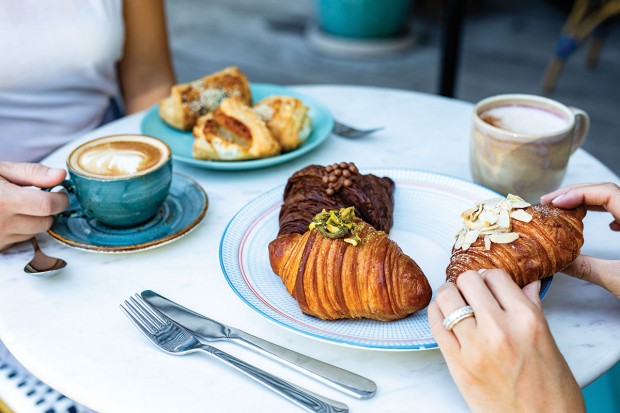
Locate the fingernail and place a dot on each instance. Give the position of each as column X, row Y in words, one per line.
column 53, row 171
column 557, row 198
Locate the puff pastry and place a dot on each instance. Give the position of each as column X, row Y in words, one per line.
column 287, row 118
column 333, row 279
column 188, row 101
column 233, row 132
column 315, row 187
column 341, row 263
column 548, row 243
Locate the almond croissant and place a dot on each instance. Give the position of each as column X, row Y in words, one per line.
column 333, row 279
column 546, row 244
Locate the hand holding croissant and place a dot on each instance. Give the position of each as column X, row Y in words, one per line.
column 596, row 197
column 546, row 241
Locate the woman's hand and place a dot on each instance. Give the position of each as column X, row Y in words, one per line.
column 597, row 197
column 504, row 359
column 25, row 212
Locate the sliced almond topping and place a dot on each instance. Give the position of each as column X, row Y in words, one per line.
column 491, row 220
column 504, row 238
column 475, row 225
column 520, row 204
column 471, row 236
column 459, row 241
column 512, row 197
column 521, row 215
column 492, row 201
column 487, row 242
column 489, row 216
column 467, row 214
column 490, row 229
column 504, row 220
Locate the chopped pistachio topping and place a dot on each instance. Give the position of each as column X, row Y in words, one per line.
column 491, row 220
column 337, row 224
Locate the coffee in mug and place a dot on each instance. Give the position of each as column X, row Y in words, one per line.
column 120, row 181
column 116, row 157
column 521, row 144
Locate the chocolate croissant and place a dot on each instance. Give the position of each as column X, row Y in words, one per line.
column 314, row 188
column 539, row 241
column 333, row 279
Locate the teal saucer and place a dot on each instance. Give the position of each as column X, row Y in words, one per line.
column 182, row 211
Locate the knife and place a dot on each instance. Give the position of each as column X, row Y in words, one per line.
column 208, row 329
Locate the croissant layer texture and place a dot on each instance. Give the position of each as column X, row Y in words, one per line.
column 332, row 279
column 547, row 244
column 308, row 190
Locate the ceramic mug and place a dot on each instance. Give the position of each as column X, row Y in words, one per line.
column 363, row 19
column 121, row 181
column 521, row 144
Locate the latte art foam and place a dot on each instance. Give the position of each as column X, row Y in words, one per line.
column 525, row 119
column 119, row 157
column 115, row 162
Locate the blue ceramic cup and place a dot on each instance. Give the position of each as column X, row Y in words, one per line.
column 363, row 19
column 121, row 181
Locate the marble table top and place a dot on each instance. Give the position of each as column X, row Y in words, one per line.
column 70, row 332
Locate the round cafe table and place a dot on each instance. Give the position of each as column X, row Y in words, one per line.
column 69, row 330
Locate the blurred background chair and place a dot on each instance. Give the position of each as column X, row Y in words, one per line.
column 587, row 19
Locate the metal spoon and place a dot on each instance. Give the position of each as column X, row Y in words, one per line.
column 41, row 265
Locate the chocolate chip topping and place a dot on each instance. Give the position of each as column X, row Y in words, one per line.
column 338, row 175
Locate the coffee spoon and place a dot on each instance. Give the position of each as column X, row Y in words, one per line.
column 41, row 265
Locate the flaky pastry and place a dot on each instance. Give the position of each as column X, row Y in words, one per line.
column 188, row 101
column 287, row 118
column 529, row 242
column 233, row 132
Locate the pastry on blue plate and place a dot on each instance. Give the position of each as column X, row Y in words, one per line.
column 287, row 119
column 233, row 132
column 189, row 101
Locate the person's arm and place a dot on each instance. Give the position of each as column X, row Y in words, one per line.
column 24, row 212
column 504, row 359
column 597, row 197
column 145, row 71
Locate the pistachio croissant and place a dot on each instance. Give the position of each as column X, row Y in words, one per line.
column 546, row 241
column 334, row 279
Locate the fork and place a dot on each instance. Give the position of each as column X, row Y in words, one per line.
column 347, row 131
column 174, row 339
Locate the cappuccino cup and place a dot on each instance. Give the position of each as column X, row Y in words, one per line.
column 121, row 181
column 521, row 144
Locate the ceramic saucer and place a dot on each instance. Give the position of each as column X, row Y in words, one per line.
column 182, row 211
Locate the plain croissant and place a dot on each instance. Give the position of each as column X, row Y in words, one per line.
column 332, row 279
column 547, row 244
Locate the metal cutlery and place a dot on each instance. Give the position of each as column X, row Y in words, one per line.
column 347, row 131
column 174, row 339
column 207, row 329
column 41, row 265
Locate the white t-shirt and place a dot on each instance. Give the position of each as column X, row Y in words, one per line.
column 57, row 71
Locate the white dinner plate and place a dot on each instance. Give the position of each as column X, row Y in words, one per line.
column 427, row 209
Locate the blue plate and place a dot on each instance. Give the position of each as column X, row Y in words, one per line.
column 182, row 211
column 426, row 234
column 181, row 142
